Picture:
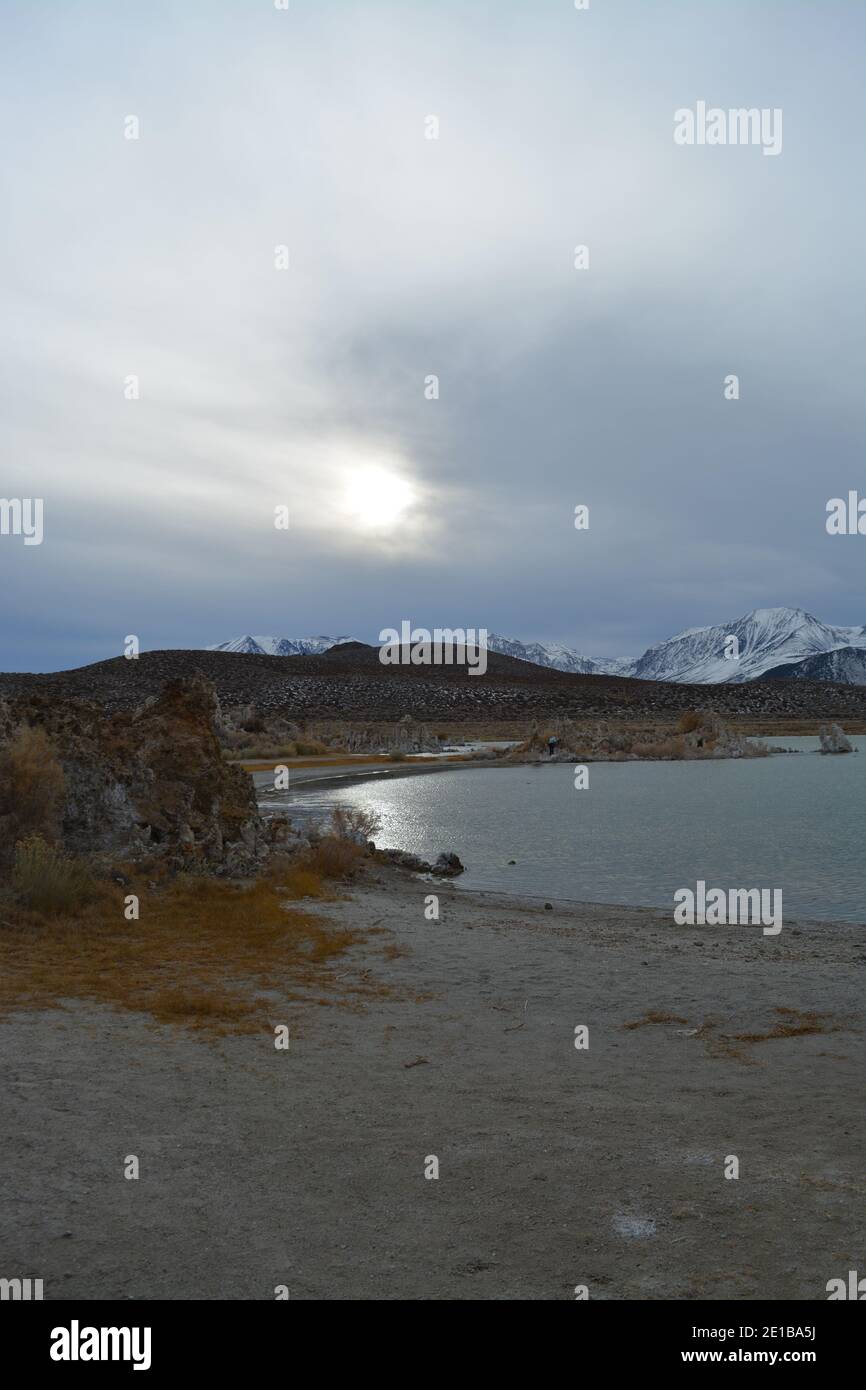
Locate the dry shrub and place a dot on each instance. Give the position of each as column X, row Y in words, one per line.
column 32, row 789
column 690, row 721
column 397, row 755
column 202, row 955
column 47, row 879
column 311, row 747
column 296, row 880
column 337, row 854
column 260, row 744
column 355, row 822
column 264, row 748
column 333, row 857
column 673, row 747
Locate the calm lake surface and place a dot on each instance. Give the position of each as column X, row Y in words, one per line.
column 641, row 830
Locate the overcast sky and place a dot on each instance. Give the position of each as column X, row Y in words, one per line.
column 408, row 256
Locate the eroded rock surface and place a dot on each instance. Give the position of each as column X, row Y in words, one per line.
column 150, row 780
column 834, row 740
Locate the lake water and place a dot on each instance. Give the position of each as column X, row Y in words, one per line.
column 641, row 830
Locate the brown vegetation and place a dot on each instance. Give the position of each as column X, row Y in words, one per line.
column 47, row 879
column 357, row 823
column 204, row 954
column 652, row 1016
column 332, row 857
column 792, row 1023
column 31, row 790
column 689, row 721
column 338, row 853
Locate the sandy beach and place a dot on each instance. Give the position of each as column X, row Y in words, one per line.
column 558, row 1167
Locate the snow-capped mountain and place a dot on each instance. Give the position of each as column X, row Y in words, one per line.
column 767, row 639
column 554, row 654
column 279, row 646
column 844, row 666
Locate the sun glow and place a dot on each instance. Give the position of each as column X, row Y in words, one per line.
column 376, row 498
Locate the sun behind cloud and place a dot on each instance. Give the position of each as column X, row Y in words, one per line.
column 376, row 498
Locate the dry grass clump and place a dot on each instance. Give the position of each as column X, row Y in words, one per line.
column 313, row 748
column 673, row 747
column 47, row 879
column 254, row 741
column 304, row 883
column 32, row 788
column 793, row 1024
column 333, row 857
column 338, row 853
column 653, row 1016
column 204, row 954
column 264, row 748
column 295, row 880
column 690, row 721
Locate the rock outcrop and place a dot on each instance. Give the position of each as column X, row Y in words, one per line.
column 834, row 740
column 446, row 866
column 152, row 780
column 699, row 734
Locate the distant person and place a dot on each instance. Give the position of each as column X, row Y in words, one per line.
column 551, row 744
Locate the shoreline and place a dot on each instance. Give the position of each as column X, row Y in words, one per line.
column 346, row 774
column 366, row 767
column 306, row 803
column 501, row 899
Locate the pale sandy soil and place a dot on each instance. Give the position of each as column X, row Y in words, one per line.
column 557, row 1167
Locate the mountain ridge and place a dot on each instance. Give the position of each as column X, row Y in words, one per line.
column 766, row 642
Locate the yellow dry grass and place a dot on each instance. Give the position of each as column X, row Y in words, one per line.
column 791, row 1023
column 653, row 1016
column 296, row 880
column 206, row 955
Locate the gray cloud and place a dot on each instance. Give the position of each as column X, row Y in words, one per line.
column 410, row 257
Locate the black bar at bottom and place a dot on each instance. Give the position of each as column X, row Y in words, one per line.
column 162, row 1339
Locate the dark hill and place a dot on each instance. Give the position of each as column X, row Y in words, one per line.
column 349, row 682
